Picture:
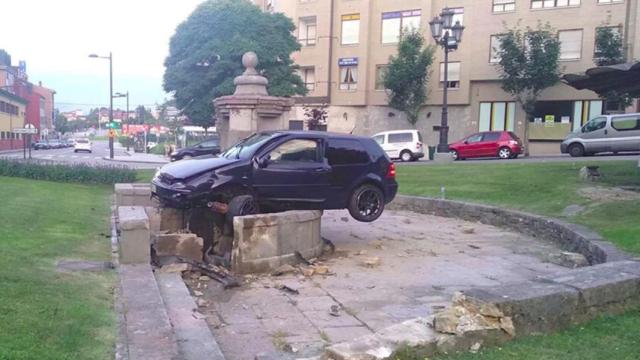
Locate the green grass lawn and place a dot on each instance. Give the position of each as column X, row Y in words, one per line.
column 547, row 188
column 45, row 314
column 541, row 188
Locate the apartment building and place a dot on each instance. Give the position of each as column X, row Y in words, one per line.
column 12, row 115
column 346, row 45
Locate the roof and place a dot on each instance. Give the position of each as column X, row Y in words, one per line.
column 16, row 98
column 316, row 133
column 602, row 79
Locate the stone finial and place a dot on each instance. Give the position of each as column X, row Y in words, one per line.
column 250, row 82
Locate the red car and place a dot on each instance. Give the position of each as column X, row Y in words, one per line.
column 502, row 144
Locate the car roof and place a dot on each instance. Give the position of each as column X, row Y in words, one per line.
column 396, row 132
column 323, row 134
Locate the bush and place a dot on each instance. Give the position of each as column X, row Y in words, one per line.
column 77, row 173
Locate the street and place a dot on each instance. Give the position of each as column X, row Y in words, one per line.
column 538, row 159
column 96, row 157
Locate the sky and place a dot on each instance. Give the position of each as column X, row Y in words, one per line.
column 56, row 37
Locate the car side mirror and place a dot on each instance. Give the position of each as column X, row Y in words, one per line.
column 264, row 161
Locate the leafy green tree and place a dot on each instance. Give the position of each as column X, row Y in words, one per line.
column 143, row 116
column 61, row 123
column 610, row 51
column 528, row 65
column 206, row 51
column 407, row 74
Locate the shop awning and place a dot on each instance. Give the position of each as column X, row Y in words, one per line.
column 602, row 79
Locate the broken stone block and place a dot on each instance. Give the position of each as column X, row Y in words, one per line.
column 175, row 268
column 569, row 259
column 371, row 262
column 188, row 246
column 446, row 321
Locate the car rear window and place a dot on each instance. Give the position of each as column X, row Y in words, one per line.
column 346, row 152
column 400, row 138
column 82, row 141
column 514, row 136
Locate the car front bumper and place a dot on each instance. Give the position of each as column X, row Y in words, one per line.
column 564, row 148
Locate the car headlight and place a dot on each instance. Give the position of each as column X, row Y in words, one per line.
column 174, row 153
column 179, row 185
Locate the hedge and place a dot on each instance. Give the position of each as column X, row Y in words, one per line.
column 77, row 173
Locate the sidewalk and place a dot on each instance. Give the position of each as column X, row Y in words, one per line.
column 134, row 157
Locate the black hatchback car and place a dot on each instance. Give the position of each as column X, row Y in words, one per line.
column 207, row 147
column 285, row 170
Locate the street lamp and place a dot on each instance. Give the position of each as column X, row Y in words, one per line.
column 447, row 35
column 121, row 95
column 110, row 58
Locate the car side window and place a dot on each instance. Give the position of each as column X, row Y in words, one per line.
column 379, row 139
column 210, row 143
column 626, row 123
column 296, row 150
column 400, row 138
column 474, row 138
column 346, row 152
column 594, row 124
column 492, row 136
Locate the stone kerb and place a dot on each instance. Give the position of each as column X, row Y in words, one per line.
column 134, row 241
column 570, row 237
column 131, row 194
column 264, row 242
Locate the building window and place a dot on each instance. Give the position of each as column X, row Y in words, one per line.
column 545, row 4
column 307, row 31
column 380, row 73
column 453, row 76
column 495, row 44
column 570, row 44
column 308, row 76
column 349, row 77
column 504, row 6
column 610, row 1
column 350, row 29
column 497, row 116
column 394, row 23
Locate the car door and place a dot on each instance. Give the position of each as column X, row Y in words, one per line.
column 207, row 147
column 350, row 163
column 293, row 170
column 471, row 147
column 595, row 135
column 625, row 132
column 489, row 145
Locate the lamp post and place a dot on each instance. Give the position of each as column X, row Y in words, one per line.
column 110, row 58
column 121, row 95
column 447, row 35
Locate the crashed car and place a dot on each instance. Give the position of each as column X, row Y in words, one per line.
column 284, row 170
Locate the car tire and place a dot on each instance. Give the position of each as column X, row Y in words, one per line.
column 454, row 155
column 366, row 203
column 576, row 150
column 504, row 153
column 240, row 206
column 514, row 156
column 406, row 156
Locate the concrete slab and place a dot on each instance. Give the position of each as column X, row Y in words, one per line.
column 422, row 259
column 148, row 330
column 194, row 338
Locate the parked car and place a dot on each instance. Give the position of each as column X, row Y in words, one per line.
column 606, row 133
column 55, row 144
column 82, row 145
column 501, row 144
column 41, row 145
column 207, row 147
column 285, row 170
column 405, row 145
column 71, row 141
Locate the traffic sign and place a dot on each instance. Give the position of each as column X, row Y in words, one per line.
column 25, row 131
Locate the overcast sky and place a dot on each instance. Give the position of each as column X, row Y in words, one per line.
column 56, row 37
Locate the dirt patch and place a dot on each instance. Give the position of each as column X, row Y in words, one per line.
column 608, row 194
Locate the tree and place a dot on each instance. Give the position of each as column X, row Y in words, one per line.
column 610, row 51
column 407, row 74
column 143, row 116
column 316, row 116
column 61, row 123
column 528, row 65
column 205, row 55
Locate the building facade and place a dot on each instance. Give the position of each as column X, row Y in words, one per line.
column 12, row 115
column 346, row 45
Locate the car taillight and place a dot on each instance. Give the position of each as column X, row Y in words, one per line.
column 391, row 173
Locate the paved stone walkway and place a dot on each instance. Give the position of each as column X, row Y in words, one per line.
column 403, row 266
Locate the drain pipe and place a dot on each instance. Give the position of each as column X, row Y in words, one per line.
column 330, row 62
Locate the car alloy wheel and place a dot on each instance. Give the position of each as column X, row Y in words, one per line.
column 454, row 154
column 576, row 150
column 406, row 156
column 504, row 153
column 366, row 203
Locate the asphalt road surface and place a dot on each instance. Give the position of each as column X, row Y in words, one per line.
column 96, row 157
column 539, row 159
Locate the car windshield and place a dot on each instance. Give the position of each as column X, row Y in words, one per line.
column 247, row 147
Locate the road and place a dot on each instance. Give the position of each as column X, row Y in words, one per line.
column 96, row 157
column 539, row 159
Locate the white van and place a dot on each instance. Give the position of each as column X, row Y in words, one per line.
column 605, row 133
column 405, row 145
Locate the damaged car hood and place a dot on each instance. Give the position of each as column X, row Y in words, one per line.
column 188, row 168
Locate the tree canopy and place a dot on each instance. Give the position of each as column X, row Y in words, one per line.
column 528, row 65
column 610, row 51
column 407, row 74
column 206, row 51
